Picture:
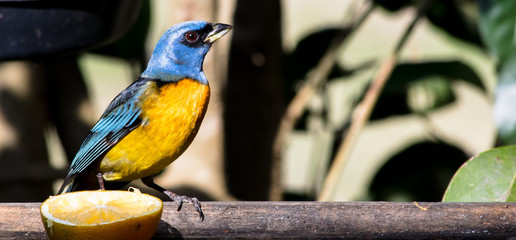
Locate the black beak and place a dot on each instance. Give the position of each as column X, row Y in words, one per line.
column 219, row 30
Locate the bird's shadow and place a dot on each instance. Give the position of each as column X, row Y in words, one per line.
column 166, row 231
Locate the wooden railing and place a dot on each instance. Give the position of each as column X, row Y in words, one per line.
column 298, row 220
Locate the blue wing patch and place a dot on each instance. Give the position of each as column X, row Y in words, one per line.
column 118, row 120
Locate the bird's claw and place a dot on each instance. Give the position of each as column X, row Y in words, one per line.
column 180, row 199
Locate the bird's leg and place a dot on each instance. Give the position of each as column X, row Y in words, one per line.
column 179, row 199
column 101, row 181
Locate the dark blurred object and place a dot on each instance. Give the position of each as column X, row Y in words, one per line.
column 35, row 29
column 307, row 55
column 50, row 34
column 131, row 46
column 254, row 98
column 421, row 172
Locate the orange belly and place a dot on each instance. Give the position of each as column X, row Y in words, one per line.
column 171, row 117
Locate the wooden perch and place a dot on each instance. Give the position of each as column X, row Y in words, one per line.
column 355, row 220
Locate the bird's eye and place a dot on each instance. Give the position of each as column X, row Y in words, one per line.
column 191, row 36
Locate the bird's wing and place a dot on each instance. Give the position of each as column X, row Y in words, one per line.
column 119, row 119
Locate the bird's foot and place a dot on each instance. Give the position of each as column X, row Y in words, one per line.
column 180, row 199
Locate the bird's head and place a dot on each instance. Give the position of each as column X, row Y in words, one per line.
column 180, row 52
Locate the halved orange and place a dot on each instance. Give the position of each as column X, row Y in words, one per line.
column 101, row 215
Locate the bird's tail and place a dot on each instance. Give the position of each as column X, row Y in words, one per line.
column 86, row 181
column 68, row 185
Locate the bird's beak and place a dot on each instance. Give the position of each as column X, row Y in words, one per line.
column 219, row 30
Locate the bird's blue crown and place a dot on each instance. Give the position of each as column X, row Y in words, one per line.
column 174, row 59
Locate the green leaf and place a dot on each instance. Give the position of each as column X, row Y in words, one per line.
column 512, row 194
column 488, row 177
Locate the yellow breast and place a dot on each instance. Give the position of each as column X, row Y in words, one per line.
column 171, row 117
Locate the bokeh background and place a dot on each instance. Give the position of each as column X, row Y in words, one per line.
column 435, row 111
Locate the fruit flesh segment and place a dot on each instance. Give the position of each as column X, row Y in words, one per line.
column 93, row 210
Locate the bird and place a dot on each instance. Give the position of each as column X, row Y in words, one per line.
column 151, row 123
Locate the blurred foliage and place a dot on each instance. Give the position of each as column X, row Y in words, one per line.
column 422, row 87
column 420, row 172
column 423, row 170
column 496, row 22
column 306, row 56
column 307, row 53
column 461, row 13
column 488, row 177
column 497, row 25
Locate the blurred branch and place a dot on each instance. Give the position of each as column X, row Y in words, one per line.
column 303, row 96
column 363, row 111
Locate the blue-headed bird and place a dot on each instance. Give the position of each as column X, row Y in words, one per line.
column 152, row 122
